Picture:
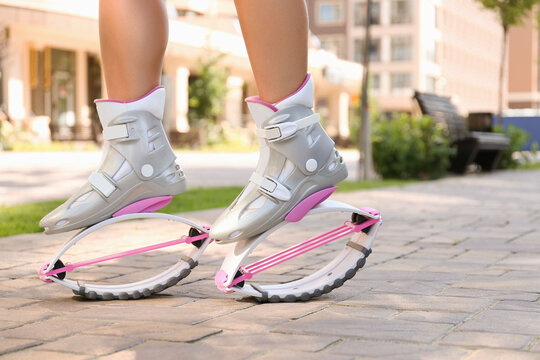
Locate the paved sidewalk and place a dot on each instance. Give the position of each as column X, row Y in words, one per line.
column 454, row 274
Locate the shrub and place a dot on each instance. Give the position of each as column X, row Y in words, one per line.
column 207, row 94
column 410, row 147
column 518, row 138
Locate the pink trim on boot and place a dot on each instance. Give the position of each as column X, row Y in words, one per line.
column 145, row 205
column 303, row 207
column 257, row 99
column 308, row 76
column 127, row 102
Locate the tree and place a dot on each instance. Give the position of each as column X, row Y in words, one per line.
column 364, row 135
column 510, row 13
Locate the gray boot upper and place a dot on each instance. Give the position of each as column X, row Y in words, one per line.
column 137, row 163
column 297, row 158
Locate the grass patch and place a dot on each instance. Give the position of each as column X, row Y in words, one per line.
column 55, row 146
column 348, row 186
column 529, row 166
column 24, row 219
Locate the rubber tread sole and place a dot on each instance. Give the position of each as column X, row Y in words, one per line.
column 306, row 296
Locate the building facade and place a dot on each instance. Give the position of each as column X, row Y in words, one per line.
column 50, row 69
column 523, row 66
column 448, row 47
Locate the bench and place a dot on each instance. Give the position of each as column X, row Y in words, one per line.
column 482, row 148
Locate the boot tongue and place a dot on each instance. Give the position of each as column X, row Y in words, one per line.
column 261, row 110
column 153, row 102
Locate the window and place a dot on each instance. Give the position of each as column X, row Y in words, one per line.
column 401, row 48
column 401, row 81
column 330, row 12
column 333, row 45
column 374, row 50
column 430, row 15
column 375, row 81
column 430, row 84
column 360, row 14
column 430, row 50
column 401, row 12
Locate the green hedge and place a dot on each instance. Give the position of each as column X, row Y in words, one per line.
column 518, row 138
column 410, row 147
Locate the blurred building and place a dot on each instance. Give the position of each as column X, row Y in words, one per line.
column 448, row 47
column 523, row 66
column 50, row 67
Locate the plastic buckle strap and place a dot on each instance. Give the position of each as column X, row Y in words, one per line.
column 271, row 187
column 70, row 267
column 284, row 130
column 114, row 132
column 102, row 184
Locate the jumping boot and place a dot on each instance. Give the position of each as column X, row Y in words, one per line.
column 297, row 158
column 138, row 163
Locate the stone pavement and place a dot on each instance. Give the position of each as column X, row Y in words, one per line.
column 454, row 274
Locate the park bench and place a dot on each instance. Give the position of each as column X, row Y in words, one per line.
column 482, row 148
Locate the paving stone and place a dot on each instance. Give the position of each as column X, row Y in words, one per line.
column 498, row 354
column 533, row 306
column 11, row 303
column 417, row 302
column 412, row 287
column 20, row 283
column 24, row 315
column 168, row 350
column 43, row 355
column 9, row 324
column 303, row 343
column 368, row 349
column 244, row 322
column 50, row 329
column 63, row 305
column 489, row 294
column 389, row 275
column 477, row 339
column 363, row 323
column 155, row 331
column 10, row 345
column 503, row 321
column 87, row 344
column 432, row 316
column 288, row 354
column 180, row 314
column 502, row 283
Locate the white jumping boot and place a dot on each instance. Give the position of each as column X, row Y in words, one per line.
column 138, row 163
column 297, row 158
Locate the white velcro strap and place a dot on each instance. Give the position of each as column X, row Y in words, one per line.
column 284, row 130
column 115, row 132
column 271, row 187
column 100, row 183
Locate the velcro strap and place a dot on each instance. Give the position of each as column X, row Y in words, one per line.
column 271, row 187
column 284, row 130
column 101, row 184
column 115, row 132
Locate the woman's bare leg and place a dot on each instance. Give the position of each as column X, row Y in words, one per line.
column 297, row 158
column 133, row 36
column 276, row 36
